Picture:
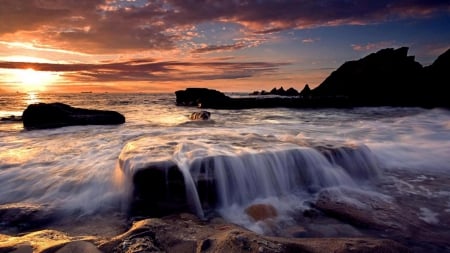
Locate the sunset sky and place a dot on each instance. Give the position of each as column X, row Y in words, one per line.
column 230, row 45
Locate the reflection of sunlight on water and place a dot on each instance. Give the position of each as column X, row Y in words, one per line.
column 32, row 98
column 169, row 119
column 16, row 155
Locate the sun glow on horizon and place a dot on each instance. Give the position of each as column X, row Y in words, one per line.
column 32, row 80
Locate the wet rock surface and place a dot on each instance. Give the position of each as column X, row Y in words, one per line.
column 401, row 219
column 15, row 218
column 186, row 233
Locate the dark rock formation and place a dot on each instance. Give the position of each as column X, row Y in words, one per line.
column 53, row 115
column 11, row 118
column 185, row 233
column 158, row 190
column 388, row 77
column 201, row 115
column 206, row 98
column 306, row 92
column 201, row 97
column 280, row 92
column 22, row 217
column 436, row 81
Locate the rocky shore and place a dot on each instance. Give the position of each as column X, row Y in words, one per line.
column 177, row 233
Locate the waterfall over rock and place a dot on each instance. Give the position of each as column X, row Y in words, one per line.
column 191, row 176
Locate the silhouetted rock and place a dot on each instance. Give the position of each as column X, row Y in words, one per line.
column 306, row 92
column 53, row 115
column 388, row 77
column 201, row 97
column 436, row 81
column 291, row 92
column 280, row 92
column 11, row 118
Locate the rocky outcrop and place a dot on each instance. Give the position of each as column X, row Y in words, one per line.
column 186, row 233
column 201, row 97
column 380, row 213
column 388, row 77
column 206, row 98
column 306, row 92
column 54, row 115
column 23, row 216
column 280, row 92
column 436, row 81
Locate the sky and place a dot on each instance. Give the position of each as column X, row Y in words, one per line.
column 228, row 45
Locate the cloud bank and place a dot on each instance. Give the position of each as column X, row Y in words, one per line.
column 107, row 26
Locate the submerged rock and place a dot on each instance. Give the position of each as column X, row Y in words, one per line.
column 201, row 115
column 22, row 217
column 260, row 212
column 380, row 213
column 54, row 115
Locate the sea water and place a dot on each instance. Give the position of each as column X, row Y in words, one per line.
column 278, row 156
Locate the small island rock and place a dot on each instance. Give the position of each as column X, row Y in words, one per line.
column 54, row 115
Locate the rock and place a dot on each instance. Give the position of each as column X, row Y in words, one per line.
column 53, row 115
column 11, row 118
column 201, row 115
column 280, row 92
column 79, row 246
column 158, row 190
column 260, row 212
column 361, row 209
column 306, row 92
column 201, row 97
column 188, row 234
column 381, row 214
column 437, row 79
column 23, row 217
column 388, row 77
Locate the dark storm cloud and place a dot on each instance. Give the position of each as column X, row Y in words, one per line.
column 152, row 71
column 108, row 26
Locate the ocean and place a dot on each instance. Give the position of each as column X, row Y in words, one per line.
column 388, row 163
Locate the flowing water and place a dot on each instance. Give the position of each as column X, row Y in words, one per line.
column 280, row 157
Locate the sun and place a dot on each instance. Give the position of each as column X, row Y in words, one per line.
column 32, row 80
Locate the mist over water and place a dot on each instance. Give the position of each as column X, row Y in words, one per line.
column 258, row 155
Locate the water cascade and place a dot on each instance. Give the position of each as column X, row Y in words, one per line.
column 219, row 176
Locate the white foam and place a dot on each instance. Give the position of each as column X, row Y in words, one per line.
column 428, row 216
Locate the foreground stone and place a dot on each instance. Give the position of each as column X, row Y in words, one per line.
column 15, row 218
column 185, row 233
column 201, row 115
column 383, row 215
column 54, row 115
